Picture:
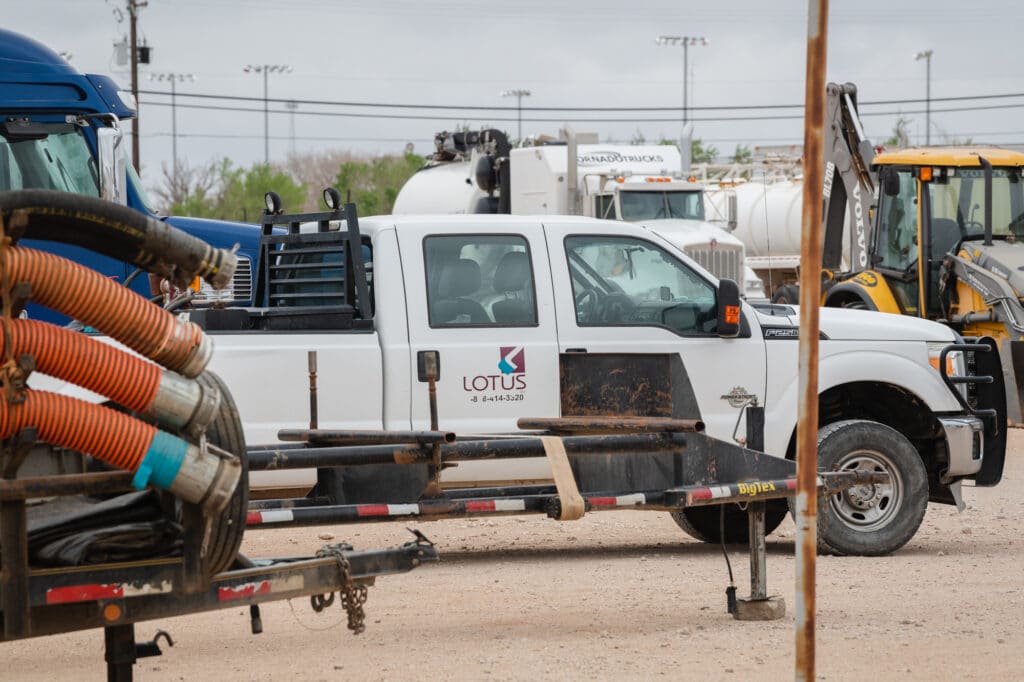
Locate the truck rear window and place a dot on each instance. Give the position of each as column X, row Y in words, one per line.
column 479, row 281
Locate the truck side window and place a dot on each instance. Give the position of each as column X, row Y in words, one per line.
column 623, row 281
column 479, row 281
column 604, row 206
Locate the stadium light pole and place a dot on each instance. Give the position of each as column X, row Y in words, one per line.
column 685, row 42
column 926, row 55
column 173, row 79
column 519, row 94
column 266, row 70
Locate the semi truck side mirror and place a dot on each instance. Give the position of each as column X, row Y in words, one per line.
column 112, row 165
column 728, row 304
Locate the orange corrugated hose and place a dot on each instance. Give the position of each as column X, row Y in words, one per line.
column 91, row 298
column 106, row 434
column 124, row 378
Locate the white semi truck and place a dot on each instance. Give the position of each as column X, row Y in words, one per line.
column 480, row 173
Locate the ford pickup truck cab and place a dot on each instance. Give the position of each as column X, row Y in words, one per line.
column 554, row 316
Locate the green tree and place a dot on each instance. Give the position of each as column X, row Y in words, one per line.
column 222, row 191
column 374, row 183
column 243, row 191
column 700, row 153
column 742, row 154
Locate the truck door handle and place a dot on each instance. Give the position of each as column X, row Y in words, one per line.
column 575, row 350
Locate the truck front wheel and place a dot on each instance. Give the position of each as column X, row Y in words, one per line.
column 873, row 519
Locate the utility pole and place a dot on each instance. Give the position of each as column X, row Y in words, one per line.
column 266, row 70
column 133, row 8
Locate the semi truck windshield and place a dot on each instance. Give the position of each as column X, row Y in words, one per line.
column 58, row 159
column 661, row 205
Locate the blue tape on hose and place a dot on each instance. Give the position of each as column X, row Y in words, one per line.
column 162, row 462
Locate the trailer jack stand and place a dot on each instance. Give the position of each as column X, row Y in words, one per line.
column 122, row 650
column 759, row 606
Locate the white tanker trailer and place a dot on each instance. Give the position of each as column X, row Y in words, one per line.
column 768, row 220
column 480, row 173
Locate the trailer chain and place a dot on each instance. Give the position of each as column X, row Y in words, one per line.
column 353, row 595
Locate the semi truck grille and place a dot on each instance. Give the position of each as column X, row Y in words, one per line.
column 724, row 262
column 241, row 285
column 240, row 290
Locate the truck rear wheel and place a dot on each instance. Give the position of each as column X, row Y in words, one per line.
column 787, row 294
column 875, row 519
column 704, row 523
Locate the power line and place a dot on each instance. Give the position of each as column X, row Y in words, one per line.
column 720, row 119
column 474, row 107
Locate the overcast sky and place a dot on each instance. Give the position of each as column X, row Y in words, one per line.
column 568, row 53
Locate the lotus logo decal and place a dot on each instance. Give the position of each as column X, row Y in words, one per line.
column 512, row 360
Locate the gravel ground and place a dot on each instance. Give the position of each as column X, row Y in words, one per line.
column 614, row 594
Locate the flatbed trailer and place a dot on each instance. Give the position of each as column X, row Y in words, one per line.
column 598, row 464
column 37, row 601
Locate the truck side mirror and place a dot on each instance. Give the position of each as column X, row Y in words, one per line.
column 728, row 304
column 112, row 165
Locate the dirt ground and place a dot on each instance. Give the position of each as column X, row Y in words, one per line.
column 614, row 594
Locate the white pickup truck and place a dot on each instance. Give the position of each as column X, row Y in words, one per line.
column 553, row 316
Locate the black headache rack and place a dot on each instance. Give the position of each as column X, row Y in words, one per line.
column 312, row 275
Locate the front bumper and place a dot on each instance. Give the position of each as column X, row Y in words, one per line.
column 965, row 444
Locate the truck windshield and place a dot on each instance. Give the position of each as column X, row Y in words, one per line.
column 646, row 205
column 62, row 160
column 959, row 203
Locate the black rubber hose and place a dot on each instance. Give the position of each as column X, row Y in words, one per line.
column 116, row 231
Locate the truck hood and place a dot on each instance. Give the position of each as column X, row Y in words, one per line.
column 684, row 233
column 840, row 324
column 220, row 233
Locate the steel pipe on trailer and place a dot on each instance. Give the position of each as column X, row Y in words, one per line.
column 610, row 425
column 346, row 437
column 498, row 448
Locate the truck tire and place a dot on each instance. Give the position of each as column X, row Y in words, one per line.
column 870, row 520
column 787, row 294
column 225, row 431
column 704, row 524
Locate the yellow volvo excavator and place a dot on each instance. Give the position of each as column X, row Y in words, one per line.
column 932, row 232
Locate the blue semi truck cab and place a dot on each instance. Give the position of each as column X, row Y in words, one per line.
column 61, row 130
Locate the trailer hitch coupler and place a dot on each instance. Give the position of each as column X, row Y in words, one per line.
column 201, row 474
